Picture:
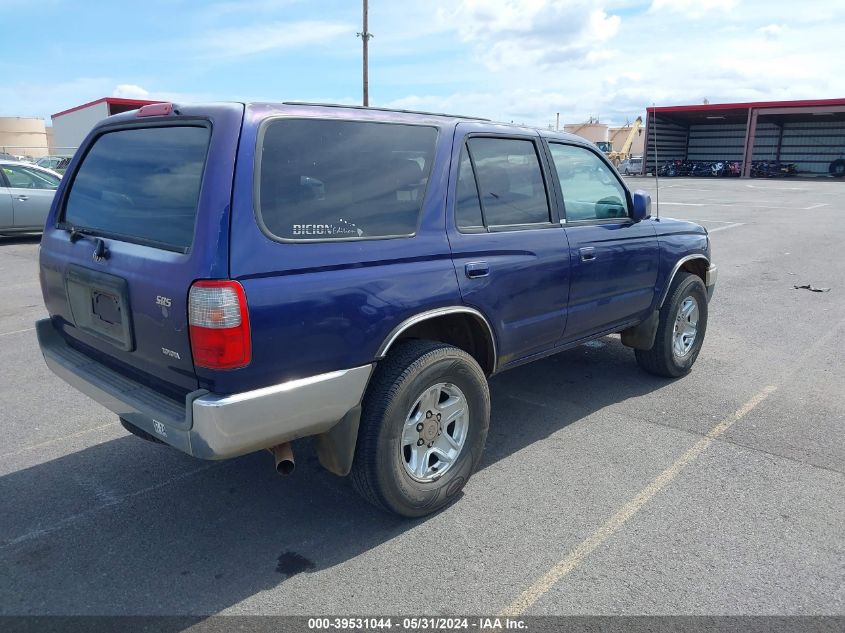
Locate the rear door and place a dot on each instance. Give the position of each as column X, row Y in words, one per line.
column 32, row 192
column 511, row 255
column 614, row 260
column 142, row 215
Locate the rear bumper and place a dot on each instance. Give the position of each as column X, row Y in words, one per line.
column 710, row 280
column 209, row 425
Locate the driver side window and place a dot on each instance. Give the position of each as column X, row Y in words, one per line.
column 590, row 190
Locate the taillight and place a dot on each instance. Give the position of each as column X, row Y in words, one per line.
column 219, row 325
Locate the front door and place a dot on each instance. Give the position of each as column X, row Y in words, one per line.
column 509, row 249
column 614, row 260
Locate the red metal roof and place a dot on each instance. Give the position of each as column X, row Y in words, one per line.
column 702, row 107
column 137, row 103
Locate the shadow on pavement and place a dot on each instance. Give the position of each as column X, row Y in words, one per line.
column 23, row 238
column 156, row 532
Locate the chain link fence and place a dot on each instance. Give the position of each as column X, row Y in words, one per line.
column 54, row 158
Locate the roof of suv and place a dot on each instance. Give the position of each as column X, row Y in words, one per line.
column 410, row 115
column 354, row 111
column 377, row 109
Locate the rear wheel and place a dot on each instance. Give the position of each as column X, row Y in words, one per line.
column 423, row 426
column 680, row 330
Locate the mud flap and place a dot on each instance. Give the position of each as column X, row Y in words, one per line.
column 642, row 336
column 336, row 447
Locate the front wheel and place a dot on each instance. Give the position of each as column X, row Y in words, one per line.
column 680, row 330
column 423, row 426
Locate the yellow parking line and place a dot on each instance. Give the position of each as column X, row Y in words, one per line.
column 586, row 547
column 26, row 329
column 58, row 439
column 726, row 227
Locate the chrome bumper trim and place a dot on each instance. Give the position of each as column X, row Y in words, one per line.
column 208, row 425
column 252, row 420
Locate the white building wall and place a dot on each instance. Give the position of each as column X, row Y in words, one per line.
column 70, row 129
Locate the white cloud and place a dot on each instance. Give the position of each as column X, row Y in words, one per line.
column 692, row 8
column 248, row 40
column 772, row 31
column 130, row 91
column 519, row 105
column 715, row 49
column 514, row 33
column 507, row 60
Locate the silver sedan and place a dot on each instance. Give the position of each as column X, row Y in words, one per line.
column 26, row 193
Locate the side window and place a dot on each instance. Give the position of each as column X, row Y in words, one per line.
column 467, row 205
column 510, row 181
column 335, row 179
column 590, row 190
column 23, row 178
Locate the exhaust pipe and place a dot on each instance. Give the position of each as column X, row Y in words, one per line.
column 283, row 456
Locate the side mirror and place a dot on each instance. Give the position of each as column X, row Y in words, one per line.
column 642, row 206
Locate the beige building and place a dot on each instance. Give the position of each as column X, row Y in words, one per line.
column 23, row 136
column 593, row 132
column 602, row 133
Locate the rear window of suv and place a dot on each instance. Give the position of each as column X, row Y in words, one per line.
column 142, row 185
column 327, row 180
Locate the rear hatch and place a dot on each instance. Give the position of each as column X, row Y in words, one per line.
column 142, row 213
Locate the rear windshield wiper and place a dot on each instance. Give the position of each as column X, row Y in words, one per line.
column 101, row 251
column 77, row 233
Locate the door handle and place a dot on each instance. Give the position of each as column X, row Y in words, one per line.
column 23, row 198
column 588, row 254
column 474, row 270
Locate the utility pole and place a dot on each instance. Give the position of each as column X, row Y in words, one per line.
column 365, row 36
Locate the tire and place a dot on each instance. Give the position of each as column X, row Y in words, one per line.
column 837, row 168
column 384, row 455
column 665, row 357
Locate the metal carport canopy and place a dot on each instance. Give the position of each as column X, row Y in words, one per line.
column 736, row 112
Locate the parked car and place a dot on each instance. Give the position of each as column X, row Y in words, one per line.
column 26, row 193
column 229, row 278
column 55, row 163
column 631, row 166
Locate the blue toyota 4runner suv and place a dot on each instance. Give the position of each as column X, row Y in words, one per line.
column 227, row 278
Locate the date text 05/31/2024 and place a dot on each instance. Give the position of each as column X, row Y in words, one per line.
column 417, row 624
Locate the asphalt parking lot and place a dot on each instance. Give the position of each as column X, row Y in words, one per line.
column 603, row 490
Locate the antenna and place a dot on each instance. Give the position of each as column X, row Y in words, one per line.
column 656, row 177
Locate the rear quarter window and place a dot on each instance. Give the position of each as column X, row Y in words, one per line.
column 141, row 184
column 328, row 180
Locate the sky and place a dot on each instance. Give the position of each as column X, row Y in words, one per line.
column 510, row 60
